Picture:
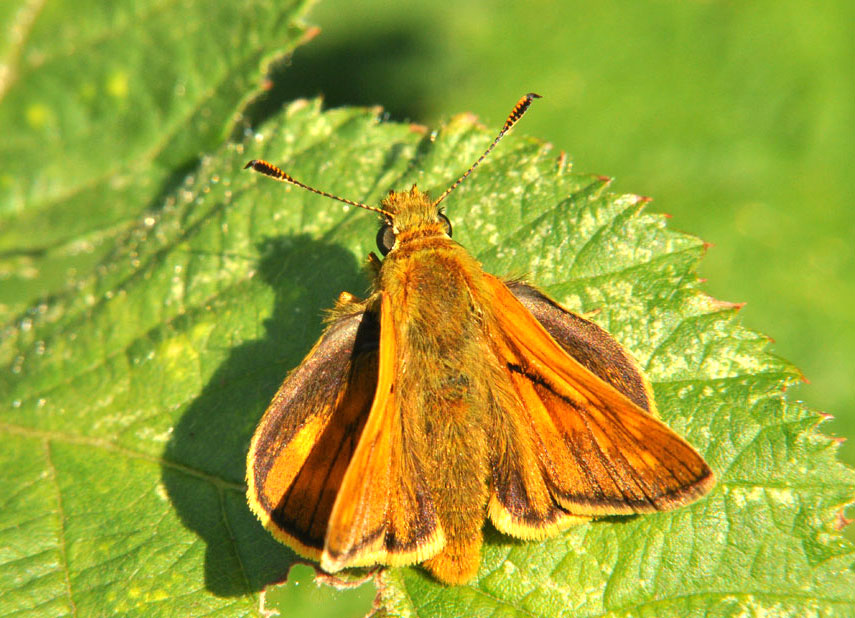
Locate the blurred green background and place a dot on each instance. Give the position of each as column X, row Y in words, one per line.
column 737, row 118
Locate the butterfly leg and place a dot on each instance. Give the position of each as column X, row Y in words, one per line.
column 372, row 264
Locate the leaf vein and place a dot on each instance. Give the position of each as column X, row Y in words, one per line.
column 124, row 451
column 63, row 553
column 632, row 609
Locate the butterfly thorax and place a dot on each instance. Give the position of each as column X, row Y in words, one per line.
column 431, row 280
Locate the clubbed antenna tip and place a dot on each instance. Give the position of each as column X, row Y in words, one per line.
column 516, row 113
column 268, row 169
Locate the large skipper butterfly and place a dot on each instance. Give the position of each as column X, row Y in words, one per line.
column 449, row 397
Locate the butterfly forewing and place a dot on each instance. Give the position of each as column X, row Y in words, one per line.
column 611, row 456
column 383, row 512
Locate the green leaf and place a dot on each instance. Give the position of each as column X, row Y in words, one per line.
column 134, row 395
column 105, row 107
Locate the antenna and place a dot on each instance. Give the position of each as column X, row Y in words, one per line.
column 516, row 113
column 268, row 169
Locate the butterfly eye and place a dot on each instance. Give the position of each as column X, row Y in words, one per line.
column 385, row 239
column 447, row 223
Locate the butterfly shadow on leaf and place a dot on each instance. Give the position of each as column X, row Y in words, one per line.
column 205, row 459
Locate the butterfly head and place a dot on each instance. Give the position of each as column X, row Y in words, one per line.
column 409, row 215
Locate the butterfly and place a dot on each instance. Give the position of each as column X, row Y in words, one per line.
column 449, row 397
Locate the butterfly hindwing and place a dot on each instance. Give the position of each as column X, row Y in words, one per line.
column 307, row 436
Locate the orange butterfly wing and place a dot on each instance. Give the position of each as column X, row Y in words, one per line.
column 306, row 439
column 599, row 452
column 383, row 512
column 327, row 472
column 589, row 344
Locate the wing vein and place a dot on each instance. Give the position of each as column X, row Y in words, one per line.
column 633, row 476
column 607, row 462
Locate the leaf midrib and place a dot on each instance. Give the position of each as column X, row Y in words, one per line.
column 107, row 445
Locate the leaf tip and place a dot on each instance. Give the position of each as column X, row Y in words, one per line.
column 310, row 33
column 725, row 305
column 462, row 121
column 561, row 162
column 841, row 520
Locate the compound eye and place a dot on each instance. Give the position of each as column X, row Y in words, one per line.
column 385, row 239
column 447, row 223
